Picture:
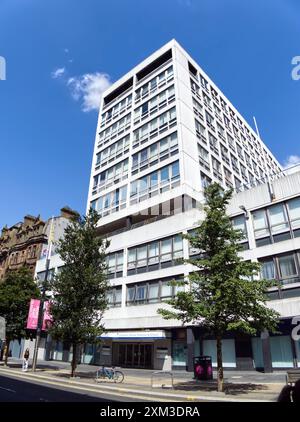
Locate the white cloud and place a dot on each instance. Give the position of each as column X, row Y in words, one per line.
column 88, row 89
column 292, row 160
column 66, row 50
column 58, row 73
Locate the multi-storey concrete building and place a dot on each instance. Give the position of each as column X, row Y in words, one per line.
column 165, row 130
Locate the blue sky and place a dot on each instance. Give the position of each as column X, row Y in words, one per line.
column 47, row 120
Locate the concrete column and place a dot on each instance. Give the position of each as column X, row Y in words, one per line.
column 48, row 347
column 125, row 259
column 295, row 360
column 266, row 350
column 190, row 339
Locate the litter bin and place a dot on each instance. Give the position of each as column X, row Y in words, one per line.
column 203, row 368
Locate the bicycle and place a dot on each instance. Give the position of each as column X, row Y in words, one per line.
column 109, row 373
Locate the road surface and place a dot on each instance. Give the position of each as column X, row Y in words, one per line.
column 15, row 390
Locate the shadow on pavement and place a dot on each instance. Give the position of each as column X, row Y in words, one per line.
column 78, row 374
column 229, row 388
column 40, row 367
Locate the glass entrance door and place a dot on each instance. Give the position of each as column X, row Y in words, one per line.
column 147, row 356
column 135, row 355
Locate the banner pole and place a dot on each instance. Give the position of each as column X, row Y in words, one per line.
column 41, row 308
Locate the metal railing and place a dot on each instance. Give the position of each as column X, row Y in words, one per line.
column 165, row 376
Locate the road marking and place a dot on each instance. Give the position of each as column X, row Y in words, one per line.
column 8, row 389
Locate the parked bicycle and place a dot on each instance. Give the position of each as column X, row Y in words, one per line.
column 109, row 373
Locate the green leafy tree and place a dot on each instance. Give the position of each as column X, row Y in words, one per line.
column 225, row 291
column 79, row 290
column 16, row 290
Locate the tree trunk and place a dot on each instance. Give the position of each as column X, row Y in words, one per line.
column 74, row 360
column 220, row 364
column 6, row 351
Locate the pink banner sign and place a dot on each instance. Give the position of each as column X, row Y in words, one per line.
column 47, row 316
column 33, row 315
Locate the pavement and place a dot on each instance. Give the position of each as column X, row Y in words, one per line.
column 144, row 385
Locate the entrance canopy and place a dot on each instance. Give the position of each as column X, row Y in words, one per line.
column 136, row 335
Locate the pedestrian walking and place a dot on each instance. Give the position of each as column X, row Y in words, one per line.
column 25, row 360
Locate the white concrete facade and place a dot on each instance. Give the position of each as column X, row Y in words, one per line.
column 164, row 131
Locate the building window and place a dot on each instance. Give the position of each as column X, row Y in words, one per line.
column 116, row 110
column 155, row 127
column 228, row 177
column 114, row 130
column 200, row 131
column 238, row 184
column 207, row 101
column 224, row 154
column 154, row 255
column 213, row 143
column 284, row 268
column 157, row 182
column 217, row 169
column 110, row 176
column 217, row 112
column 204, row 82
column 227, row 123
column 155, row 153
column 113, row 152
column 154, row 84
column 155, row 104
column 205, row 180
column 195, row 89
column 239, row 223
column 114, row 297
column 198, row 109
column 278, row 218
column 287, row 269
column 111, row 202
column 221, row 132
column 210, row 121
column 115, row 264
column 231, row 142
column 261, row 228
column 268, row 269
column 294, row 213
column 203, row 157
column 234, row 163
column 153, row 291
column 244, row 173
column 277, row 223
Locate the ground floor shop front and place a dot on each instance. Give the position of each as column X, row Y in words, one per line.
column 168, row 349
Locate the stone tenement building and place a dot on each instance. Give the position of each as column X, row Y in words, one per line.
column 23, row 243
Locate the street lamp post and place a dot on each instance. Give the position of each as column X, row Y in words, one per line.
column 40, row 317
column 42, row 301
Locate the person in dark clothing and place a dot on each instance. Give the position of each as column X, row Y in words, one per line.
column 25, row 360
